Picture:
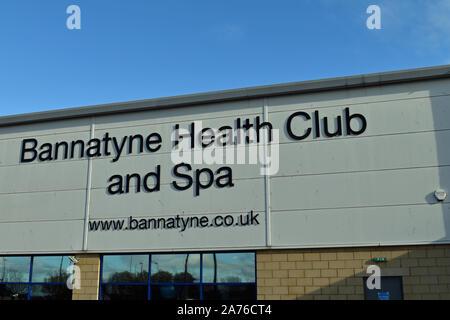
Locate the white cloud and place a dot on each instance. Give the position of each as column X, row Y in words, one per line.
column 422, row 25
column 436, row 25
column 439, row 15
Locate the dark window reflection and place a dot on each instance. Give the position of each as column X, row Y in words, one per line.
column 50, row 269
column 226, row 276
column 125, row 268
column 14, row 269
column 13, row 291
column 175, row 292
column 178, row 268
column 124, row 292
column 50, row 292
column 229, row 267
column 229, row 292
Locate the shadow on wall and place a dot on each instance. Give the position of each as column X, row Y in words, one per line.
column 421, row 272
column 440, row 108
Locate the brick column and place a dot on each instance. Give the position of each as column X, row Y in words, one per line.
column 89, row 265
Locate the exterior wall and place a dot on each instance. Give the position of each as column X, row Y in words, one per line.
column 43, row 205
column 90, row 275
column 338, row 273
column 367, row 190
column 334, row 187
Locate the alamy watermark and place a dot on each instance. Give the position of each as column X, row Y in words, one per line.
column 374, row 280
column 74, row 279
column 74, row 20
column 199, row 145
column 374, row 20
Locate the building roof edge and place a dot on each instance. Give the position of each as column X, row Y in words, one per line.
column 302, row 87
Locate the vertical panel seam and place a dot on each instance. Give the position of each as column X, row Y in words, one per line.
column 88, row 193
column 267, row 182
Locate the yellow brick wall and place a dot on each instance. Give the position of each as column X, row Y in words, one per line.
column 338, row 273
column 89, row 265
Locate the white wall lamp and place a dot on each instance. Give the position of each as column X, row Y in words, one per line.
column 440, row 194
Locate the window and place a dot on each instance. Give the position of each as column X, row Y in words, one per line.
column 38, row 277
column 125, row 277
column 125, row 268
column 14, row 277
column 219, row 271
column 181, row 276
column 175, row 276
column 187, row 276
column 49, row 278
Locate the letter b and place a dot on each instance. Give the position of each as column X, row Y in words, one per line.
column 25, row 150
column 133, row 223
column 348, row 119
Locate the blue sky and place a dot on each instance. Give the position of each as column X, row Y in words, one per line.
column 142, row 49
